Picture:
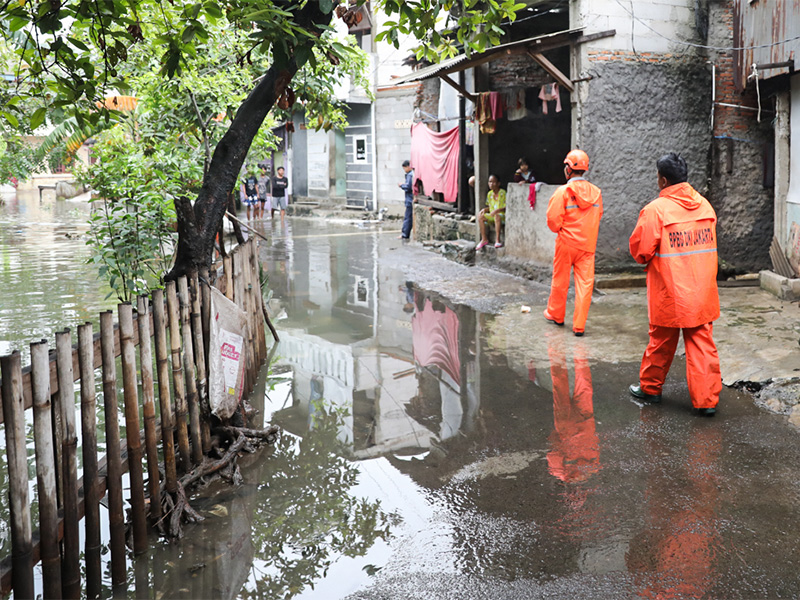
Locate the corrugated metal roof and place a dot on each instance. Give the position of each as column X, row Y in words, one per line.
column 462, row 61
column 767, row 32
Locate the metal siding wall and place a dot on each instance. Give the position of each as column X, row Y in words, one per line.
column 359, row 174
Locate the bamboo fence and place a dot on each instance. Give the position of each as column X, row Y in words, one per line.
column 175, row 322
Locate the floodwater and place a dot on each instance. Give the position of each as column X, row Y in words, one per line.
column 419, row 461
column 45, row 281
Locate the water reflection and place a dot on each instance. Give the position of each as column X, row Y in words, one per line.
column 279, row 533
column 675, row 554
column 575, row 453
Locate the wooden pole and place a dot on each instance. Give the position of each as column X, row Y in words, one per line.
column 189, row 371
column 200, row 361
column 45, row 470
column 116, row 516
column 178, row 382
column 241, row 301
column 17, row 457
column 255, row 302
column 149, row 408
column 165, row 401
column 227, row 269
column 94, row 574
column 71, row 572
column 131, row 395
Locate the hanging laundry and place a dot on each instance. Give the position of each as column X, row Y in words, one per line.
column 435, row 160
column 483, row 112
column 497, row 104
column 469, row 132
column 532, row 196
column 515, row 104
column 547, row 93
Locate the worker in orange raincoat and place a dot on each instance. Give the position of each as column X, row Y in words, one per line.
column 676, row 238
column 574, row 213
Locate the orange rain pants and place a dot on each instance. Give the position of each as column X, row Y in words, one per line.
column 566, row 259
column 702, row 362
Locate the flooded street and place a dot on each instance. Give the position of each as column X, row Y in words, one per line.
column 434, row 448
column 45, row 282
column 420, row 461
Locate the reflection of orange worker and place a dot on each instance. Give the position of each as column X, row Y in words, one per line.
column 676, row 238
column 574, row 213
column 575, row 453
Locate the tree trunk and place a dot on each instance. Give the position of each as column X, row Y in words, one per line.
column 199, row 224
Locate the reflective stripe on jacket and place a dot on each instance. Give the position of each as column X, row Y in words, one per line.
column 574, row 213
column 676, row 238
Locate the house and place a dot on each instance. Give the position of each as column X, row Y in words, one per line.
column 636, row 80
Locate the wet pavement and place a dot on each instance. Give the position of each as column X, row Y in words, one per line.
column 439, row 443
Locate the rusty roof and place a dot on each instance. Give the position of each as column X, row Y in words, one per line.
column 766, row 33
column 539, row 43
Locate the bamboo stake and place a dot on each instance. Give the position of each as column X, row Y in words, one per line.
column 165, row 402
column 70, row 573
column 240, row 300
column 45, row 470
column 149, row 408
column 116, row 517
column 17, row 457
column 189, row 371
column 90, row 472
column 131, row 395
column 258, row 305
column 200, row 361
column 178, row 383
column 227, row 269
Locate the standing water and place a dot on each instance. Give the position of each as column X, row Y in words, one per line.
column 45, row 281
column 421, row 460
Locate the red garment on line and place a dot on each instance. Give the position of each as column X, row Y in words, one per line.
column 434, row 158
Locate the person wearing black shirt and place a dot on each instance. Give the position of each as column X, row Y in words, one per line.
column 279, row 198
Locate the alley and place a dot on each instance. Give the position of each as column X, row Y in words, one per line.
column 439, row 443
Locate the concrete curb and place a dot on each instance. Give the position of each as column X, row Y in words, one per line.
column 777, row 285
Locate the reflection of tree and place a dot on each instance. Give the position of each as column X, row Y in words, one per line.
column 306, row 518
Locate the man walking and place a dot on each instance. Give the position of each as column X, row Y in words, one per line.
column 675, row 237
column 408, row 187
column 279, row 198
column 574, row 213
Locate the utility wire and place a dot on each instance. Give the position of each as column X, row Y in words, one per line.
column 693, row 45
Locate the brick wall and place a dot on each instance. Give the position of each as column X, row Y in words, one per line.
column 743, row 204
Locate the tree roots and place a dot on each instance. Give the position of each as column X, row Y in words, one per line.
column 176, row 507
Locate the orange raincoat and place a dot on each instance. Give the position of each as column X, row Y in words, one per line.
column 574, row 213
column 676, row 238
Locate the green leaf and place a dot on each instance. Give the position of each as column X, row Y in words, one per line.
column 11, row 118
column 38, row 117
column 326, row 6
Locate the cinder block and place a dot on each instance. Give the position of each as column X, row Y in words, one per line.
column 782, row 287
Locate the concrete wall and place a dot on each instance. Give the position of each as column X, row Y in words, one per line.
column 647, row 96
column 394, row 108
column 527, row 235
column 743, row 203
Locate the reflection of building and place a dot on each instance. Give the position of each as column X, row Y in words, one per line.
column 403, row 370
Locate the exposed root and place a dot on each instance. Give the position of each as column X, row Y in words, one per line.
column 177, row 509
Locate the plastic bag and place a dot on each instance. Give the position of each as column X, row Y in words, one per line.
column 226, row 355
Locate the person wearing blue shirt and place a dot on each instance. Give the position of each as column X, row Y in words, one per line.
column 408, row 187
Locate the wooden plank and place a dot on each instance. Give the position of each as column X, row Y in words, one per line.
column 554, row 71
column 459, row 88
column 780, row 264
